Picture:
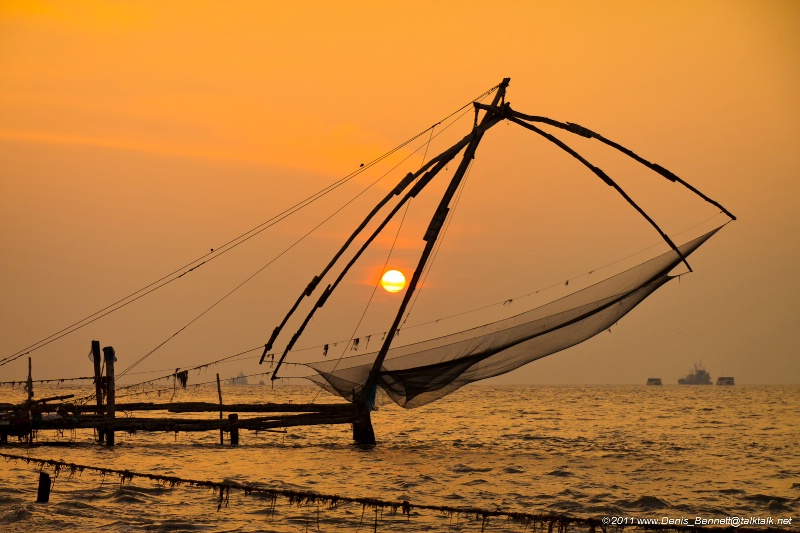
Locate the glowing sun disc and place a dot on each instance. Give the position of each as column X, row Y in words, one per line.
column 393, row 281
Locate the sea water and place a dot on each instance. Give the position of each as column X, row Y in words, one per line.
column 670, row 453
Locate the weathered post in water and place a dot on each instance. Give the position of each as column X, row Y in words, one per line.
column 43, row 494
column 109, row 357
column 98, row 386
column 233, row 423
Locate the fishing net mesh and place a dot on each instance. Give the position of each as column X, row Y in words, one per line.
column 417, row 374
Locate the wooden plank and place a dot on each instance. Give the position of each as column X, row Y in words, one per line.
column 199, row 407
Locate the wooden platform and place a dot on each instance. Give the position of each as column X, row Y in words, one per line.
column 53, row 414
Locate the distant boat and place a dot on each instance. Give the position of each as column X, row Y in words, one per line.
column 725, row 380
column 654, row 381
column 241, row 379
column 698, row 377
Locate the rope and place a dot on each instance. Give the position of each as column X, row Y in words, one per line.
column 577, row 129
column 394, row 243
column 506, row 301
column 438, row 244
column 603, row 176
column 216, row 252
column 298, row 241
column 441, row 161
column 371, row 296
column 240, row 285
column 174, row 374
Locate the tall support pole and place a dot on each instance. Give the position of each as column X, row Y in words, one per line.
column 362, row 425
column 431, row 168
column 29, row 384
column 110, row 358
column 28, row 412
column 221, row 431
column 98, row 386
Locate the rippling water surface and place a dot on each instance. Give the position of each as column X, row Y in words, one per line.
column 672, row 451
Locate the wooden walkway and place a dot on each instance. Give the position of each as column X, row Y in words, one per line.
column 22, row 420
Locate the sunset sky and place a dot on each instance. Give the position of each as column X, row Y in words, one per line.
column 137, row 136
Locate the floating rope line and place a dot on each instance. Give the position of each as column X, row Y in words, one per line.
column 541, row 522
column 58, row 380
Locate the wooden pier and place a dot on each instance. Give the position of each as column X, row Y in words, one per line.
column 53, row 413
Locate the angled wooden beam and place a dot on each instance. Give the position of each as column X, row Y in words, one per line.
column 589, row 134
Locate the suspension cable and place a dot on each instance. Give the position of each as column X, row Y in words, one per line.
column 217, row 252
column 295, row 243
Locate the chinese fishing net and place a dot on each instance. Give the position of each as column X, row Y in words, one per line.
column 417, row 374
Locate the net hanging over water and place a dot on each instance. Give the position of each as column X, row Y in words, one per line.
column 419, row 373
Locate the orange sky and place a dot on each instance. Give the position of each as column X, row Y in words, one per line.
column 135, row 136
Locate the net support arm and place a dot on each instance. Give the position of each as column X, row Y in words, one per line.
column 589, row 134
column 430, row 170
column 315, row 280
column 494, row 115
column 603, row 176
column 446, row 156
column 330, row 288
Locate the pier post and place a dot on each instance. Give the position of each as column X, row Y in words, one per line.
column 98, row 386
column 27, row 412
column 109, row 357
column 29, row 384
column 221, row 431
column 363, row 433
column 43, row 493
column 233, row 423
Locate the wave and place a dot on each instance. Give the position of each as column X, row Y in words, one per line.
column 644, row 503
column 19, row 513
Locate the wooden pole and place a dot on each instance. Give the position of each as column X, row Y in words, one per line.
column 98, row 385
column 29, row 385
column 109, row 357
column 28, row 413
column 233, row 424
column 43, row 494
column 221, row 431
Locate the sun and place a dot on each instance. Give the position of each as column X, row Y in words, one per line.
column 393, row 281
